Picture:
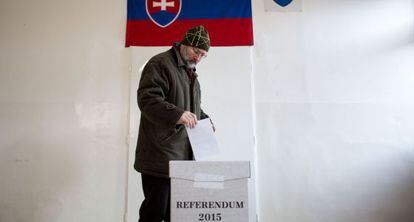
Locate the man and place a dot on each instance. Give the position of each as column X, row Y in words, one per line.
column 169, row 99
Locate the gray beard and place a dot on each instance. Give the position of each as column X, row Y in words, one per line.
column 191, row 65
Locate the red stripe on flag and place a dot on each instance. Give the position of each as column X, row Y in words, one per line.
column 223, row 32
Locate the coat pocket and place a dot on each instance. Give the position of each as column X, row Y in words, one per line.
column 171, row 135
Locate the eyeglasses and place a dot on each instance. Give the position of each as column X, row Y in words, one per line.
column 198, row 52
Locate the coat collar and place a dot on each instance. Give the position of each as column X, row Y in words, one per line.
column 180, row 60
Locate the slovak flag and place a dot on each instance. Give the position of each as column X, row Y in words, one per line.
column 163, row 22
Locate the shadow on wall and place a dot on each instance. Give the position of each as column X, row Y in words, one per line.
column 377, row 185
column 341, row 168
column 389, row 179
column 412, row 25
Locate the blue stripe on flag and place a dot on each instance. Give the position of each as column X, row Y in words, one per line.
column 198, row 9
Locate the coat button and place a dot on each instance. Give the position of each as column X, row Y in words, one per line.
column 169, row 106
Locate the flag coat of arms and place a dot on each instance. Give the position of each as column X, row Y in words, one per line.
column 283, row 5
column 163, row 22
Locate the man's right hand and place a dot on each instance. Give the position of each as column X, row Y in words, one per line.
column 189, row 119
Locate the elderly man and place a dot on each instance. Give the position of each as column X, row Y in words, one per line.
column 169, row 99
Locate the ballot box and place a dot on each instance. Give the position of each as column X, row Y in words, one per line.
column 209, row 191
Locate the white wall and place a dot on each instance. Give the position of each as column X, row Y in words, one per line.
column 334, row 102
column 64, row 88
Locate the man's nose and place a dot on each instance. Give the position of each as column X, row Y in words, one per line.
column 197, row 58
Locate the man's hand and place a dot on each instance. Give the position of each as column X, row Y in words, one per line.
column 188, row 118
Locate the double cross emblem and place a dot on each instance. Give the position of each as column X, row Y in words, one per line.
column 163, row 4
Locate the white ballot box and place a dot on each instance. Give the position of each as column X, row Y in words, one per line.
column 209, row 191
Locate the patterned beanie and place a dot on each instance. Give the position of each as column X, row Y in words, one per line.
column 197, row 37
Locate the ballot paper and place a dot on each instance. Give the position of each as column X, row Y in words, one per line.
column 202, row 140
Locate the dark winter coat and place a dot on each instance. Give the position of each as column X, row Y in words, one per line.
column 165, row 91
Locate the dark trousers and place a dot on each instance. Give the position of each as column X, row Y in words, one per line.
column 156, row 205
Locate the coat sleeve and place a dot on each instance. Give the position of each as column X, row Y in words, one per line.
column 203, row 115
column 151, row 95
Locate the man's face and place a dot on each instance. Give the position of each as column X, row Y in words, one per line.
column 192, row 55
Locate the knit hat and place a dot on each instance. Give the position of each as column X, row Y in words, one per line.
column 197, row 37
